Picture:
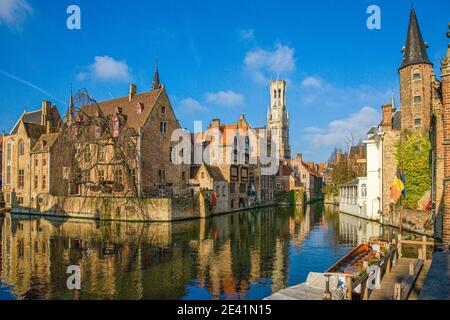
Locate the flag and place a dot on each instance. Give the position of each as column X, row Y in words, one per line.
column 397, row 188
column 428, row 206
column 404, row 183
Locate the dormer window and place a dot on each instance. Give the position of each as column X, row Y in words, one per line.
column 139, row 108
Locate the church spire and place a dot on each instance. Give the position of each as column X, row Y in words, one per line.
column 68, row 119
column 415, row 49
column 156, row 84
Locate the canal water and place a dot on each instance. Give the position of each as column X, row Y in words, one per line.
column 247, row 255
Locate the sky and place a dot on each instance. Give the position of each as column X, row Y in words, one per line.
column 216, row 59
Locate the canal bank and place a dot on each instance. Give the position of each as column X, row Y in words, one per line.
column 130, row 209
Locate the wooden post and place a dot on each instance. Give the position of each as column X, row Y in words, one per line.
column 411, row 268
column 398, row 291
column 365, row 290
column 327, row 294
column 420, row 252
column 399, row 246
column 388, row 265
column 424, row 247
column 348, row 287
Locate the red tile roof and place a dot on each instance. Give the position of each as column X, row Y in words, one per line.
column 128, row 109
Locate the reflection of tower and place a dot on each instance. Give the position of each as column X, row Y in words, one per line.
column 278, row 119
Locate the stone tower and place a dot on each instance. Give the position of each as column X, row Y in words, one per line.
column 416, row 74
column 278, row 119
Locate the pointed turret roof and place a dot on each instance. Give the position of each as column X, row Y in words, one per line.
column 70, row 111
column 415, row 50
column 156, row 84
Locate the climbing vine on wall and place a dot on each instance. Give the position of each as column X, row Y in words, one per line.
column 414, row 156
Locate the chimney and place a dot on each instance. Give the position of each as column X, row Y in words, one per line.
column 300, row 156
column 216, row 123
column 49, row 127
column 46, row 106
column 132, row 92
column 387, row 116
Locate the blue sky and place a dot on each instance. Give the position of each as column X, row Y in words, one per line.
column 216, row 57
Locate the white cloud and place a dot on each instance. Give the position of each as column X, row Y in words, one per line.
column 311, row 82
column 263, row 64
column 106, row 69
column 192, row 105
column 14, row 12
column 227, row 99
column 247, row 34
column 338, row 132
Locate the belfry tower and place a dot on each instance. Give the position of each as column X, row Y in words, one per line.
column 278, row 119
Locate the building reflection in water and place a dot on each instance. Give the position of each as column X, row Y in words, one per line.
column 245, row 255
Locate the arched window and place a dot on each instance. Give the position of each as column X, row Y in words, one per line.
column 8, row 162
column 21, row 148
column 363, row 190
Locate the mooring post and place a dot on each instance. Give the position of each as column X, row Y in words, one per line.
column 398, row 291
column 348, row 287
column 327, row 294
column 424, row 247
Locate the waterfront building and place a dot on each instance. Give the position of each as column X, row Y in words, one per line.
column 18, row 145
column 445, row 145
column 287, row 179
column 128, row 150
column 310, row 177
column 247, row 181
column 422, row 110
column 353, row 198
column 210, row 178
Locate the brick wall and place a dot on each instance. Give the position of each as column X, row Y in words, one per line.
column 411, row 87
column 156, row 151
column 390, row 165
column 446, row 143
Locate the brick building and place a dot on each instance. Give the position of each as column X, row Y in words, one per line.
column 234, row 150
column 17, row 156
column 423, row 107
column 132, row 154
column 445, row 95
column 310, row 178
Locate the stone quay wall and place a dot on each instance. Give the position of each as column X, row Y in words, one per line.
column 124, row 209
